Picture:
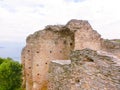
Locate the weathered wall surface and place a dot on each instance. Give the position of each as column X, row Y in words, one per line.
column 88, row 70
column 111, row 46
column 53, row 43
column 85, row 36
column 56, row 42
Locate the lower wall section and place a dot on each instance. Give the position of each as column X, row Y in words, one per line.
column 88, row 70
column 59, row 75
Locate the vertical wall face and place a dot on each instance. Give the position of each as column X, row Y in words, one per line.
column 85, row 36
column 54, row 43
column 42, row 47
column 86, row 39
column 27, row 60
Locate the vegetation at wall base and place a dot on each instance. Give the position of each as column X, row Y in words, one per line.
column 10, row 74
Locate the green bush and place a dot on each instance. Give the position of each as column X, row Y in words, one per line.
column 10, row 74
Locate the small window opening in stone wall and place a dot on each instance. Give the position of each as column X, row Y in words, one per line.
column 46, row 63
column 29, row 67
column 28, row 50
column 37, row 52
column 77, row 80
column 71, row 44
column 38, row 74
column 60, row 51
column 37, row 65
column 28, row 74
column 50, row 51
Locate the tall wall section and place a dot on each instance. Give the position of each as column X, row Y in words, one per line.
column 53, row 43
column 85, row 36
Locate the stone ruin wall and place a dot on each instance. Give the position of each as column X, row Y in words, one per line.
column 88, row 70
column 42, row 47
column 112, row 47
column 85, row 36
column 54, row 43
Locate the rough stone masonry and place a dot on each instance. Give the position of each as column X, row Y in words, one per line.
column 54, row 44
column 88, row 70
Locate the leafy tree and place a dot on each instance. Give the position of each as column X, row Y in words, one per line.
column 1, row 60
column 10, row 74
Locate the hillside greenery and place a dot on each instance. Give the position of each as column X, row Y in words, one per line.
column 10, row 74
column 118, row 40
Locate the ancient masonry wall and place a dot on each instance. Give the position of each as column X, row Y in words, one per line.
column 42, row 47
column 88, row 70
column 85, row 36
column 54, row 43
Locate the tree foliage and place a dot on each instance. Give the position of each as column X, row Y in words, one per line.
column 10, row 74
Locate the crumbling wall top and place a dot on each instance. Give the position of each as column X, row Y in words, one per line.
column 75, row 24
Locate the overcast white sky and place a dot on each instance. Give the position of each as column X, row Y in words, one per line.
column 19, row 18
